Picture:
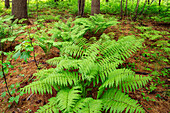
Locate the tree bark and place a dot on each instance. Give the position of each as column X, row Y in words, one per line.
column 95, row 7
column 19, row 9
column 7, row 5
column 143, row 7
column 148, row 2
column 159, row 2
column 136, row 10
column 81, row 4
column 126, row 11
column 121, row 7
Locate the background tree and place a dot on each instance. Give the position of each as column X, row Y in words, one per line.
column 136, row 10
column 19, row 8
column 121, row 8
column 95, row 7
column 81, row 4
column 7, row 5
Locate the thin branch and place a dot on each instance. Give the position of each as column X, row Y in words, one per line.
column 2, row 54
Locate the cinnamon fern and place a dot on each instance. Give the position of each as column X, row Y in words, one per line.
column 87, row 77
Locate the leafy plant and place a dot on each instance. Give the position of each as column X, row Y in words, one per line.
column 8, row 31
column 87, row 78
column 23, row 50
column 143, row 28
column 96, row 24
column 67, row 31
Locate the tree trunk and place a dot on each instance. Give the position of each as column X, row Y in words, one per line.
column 159, row 2
column 143, row 7
column 136, row 10
column 107, row 0
column 95, row 7
column 7, row 5
column 159, row 6
column 19, row 8
column 121, row 7
column 81, row 4
column 148, row 2
column 126, row 11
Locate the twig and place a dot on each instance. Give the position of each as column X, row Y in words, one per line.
column 2, row 54
column 29, row 97
column 34, row 53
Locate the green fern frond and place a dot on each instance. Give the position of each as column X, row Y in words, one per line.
column 125, row 79
column 106, row 68
column 116, row 101
column 130, row 45
column 88, row 105
column 67, row 98
column 117, row 76
column 74, row 51
column 134, row 82
column 62, row 79
column 38, row 86
column 51, row 107
column 42, row 74
column 54, row 61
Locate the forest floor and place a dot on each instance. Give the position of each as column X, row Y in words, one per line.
column 150, row 60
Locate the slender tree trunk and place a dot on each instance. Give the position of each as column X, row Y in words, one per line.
column 121, row 7
column 159, row 2
column 7, row 5
column 81, row 4
column 149, row 6
column 159, row 5
column 19, row 8
column 95, row 7
column 143, row 7
column 148, row 2
column 126, row 11
column 136, row 10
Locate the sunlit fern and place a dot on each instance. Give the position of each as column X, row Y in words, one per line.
column 81, row 64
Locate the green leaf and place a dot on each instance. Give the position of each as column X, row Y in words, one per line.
column 25, row 55
column 1, row 74
column 16, row 55
column 29, row 48
column 12, row 86
column 13, row 91
column 6, row 70
column 11, row 99
column 16, row 99
column 3, row 94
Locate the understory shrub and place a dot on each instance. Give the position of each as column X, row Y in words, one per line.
column 87, row 78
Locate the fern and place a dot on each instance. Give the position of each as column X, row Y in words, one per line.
column 116, row 101
column 88, row 105
column 84, row 66
column 67, row 98
column 96, row 23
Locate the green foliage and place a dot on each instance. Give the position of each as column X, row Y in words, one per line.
column 161, row 18
column 13, row 91
column 8, row 31
column 96, row 23
column 49, row 17
column 84, row 65
column 143, row 28
column 23, row 50
column 66, row 31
